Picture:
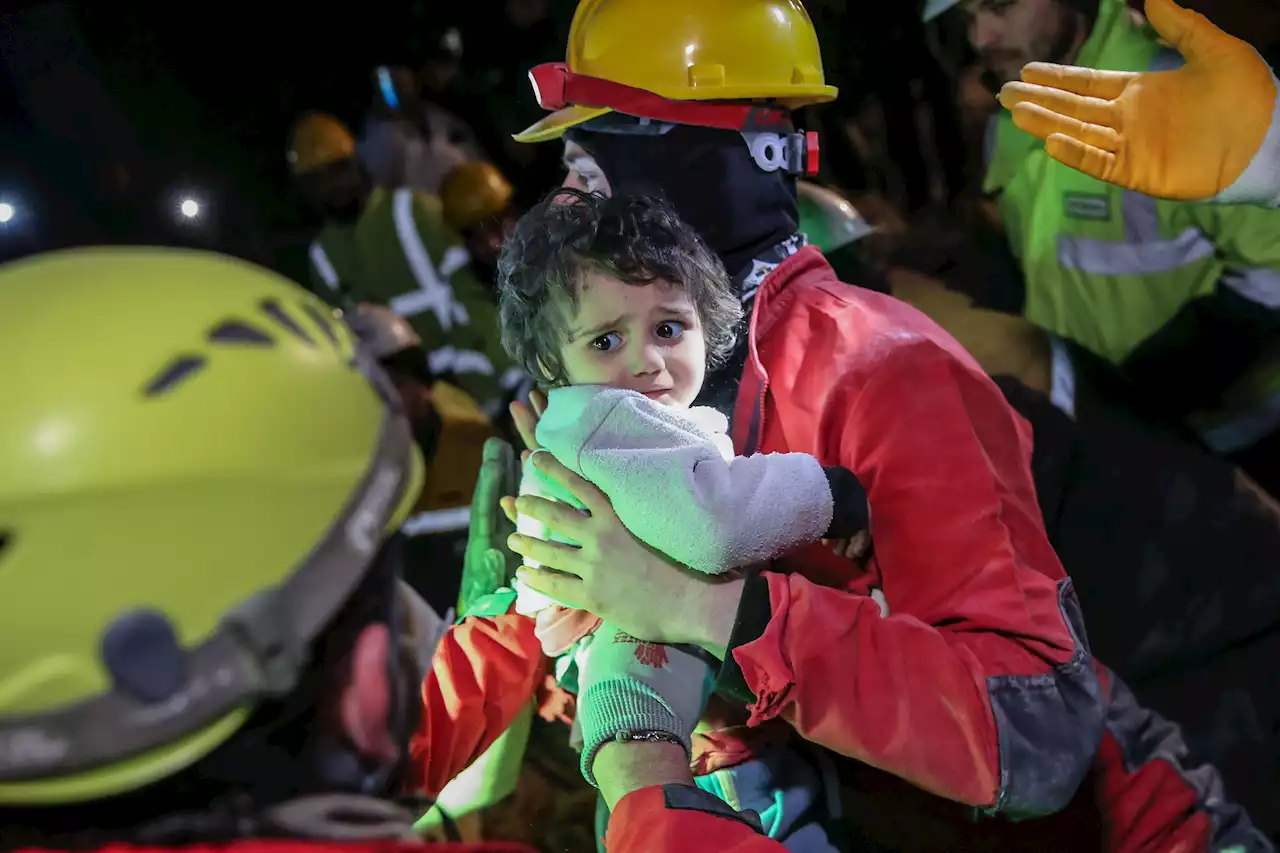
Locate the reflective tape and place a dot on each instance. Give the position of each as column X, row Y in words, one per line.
column 452, row 360
column 1257, row 284
column 1062, row 384
column 1143, row 251
column 323, row 267
column 438, row 521
column 434, row 293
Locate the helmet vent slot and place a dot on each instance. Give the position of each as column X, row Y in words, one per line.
column 272, row 309
column 239, row 332
column 174, row 373
column 325, row 323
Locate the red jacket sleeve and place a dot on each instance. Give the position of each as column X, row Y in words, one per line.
column 975, row 687
column 484, row 671
column 682, row 819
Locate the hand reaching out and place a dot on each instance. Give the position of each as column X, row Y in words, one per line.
column 1186, row 134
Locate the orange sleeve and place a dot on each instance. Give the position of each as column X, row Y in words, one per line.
column 485, row 670
column 682, row 819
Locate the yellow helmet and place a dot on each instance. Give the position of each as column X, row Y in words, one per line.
column 473, row 192
column 175, row 530
column 317, row 140
column 663, row 59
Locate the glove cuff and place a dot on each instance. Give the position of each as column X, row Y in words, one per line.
column 620, row 705
column 1260, row 181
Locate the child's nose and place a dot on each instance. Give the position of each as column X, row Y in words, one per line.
column 646, row 359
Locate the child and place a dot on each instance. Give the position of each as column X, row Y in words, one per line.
column 620, row 308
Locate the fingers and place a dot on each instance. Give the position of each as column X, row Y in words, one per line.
column 563, row 519
column 538, row 400
column 592, row 498
column 553, row 555
column 508, row 505
column 1089, row 82
column 562, row 587
column 1192, row 34
column 526, row 422
column 1043, row 123
column 859, row 545
column 1093, row 161
column 1089, row 110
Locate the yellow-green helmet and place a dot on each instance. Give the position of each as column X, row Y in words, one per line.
column 191, row 448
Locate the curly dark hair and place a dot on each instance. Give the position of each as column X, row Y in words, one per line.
column 635, row 238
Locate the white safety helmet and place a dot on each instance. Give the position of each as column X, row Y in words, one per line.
column 934, row 8
column 382, row 330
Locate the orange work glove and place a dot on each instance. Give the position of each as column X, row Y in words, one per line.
column 1207, row 131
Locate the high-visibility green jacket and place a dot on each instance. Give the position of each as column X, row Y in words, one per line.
column 1185, row 298
column 400, row 253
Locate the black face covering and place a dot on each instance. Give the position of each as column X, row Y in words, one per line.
column 709, row 176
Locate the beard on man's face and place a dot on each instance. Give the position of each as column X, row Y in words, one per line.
column 1058, row 42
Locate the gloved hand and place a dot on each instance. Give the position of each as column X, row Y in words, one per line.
column 1207, row 131
column 487, row 563
column 626, row 685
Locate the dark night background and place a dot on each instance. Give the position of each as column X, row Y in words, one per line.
column 113, row 112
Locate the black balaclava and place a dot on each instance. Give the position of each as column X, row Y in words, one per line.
column 739, row 210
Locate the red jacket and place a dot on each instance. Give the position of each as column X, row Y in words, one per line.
column 978, row 686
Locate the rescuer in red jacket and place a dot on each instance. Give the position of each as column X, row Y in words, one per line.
column 978, row 685
column 205, row 641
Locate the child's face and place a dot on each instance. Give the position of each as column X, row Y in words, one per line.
column 645, row 338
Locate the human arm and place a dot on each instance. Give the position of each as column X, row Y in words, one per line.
column 655, row 806
column 484, row 673
column 1209, row 131
column 977, row 662
column 672, row 487
column 975, row 688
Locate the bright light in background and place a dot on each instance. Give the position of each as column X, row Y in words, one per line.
column 6, row 212
column 190, row 208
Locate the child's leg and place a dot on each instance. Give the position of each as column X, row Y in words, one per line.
column 786, row 791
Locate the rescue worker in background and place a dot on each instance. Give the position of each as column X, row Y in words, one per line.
column 407, row 141
column 477, row 203
column 1135, row 510
column 1209, row 131
column 672, row 110
column 390, row 246
column 454, row 437
column 236, row 667
column 1184, row 298
column 450, row 430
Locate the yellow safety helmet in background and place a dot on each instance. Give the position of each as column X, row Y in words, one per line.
column 630, row 55
column 473, row 192
column 318, row 140
column 198, row 466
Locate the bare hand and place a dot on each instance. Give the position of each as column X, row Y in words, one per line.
column 856, row 548
column 615, row 576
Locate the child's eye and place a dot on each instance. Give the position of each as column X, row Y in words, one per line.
column 672, row 329
column 607, row 343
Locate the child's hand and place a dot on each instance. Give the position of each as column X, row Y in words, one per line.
column 856, row 547
column 526, row 417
